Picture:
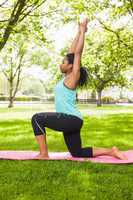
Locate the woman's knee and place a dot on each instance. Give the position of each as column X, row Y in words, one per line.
column 83, row 152
column 37, row 125
column 34, row 118
column 75, row 153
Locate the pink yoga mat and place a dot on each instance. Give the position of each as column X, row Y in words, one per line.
column 30, row 155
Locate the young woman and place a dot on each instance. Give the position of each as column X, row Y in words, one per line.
column 67, row 117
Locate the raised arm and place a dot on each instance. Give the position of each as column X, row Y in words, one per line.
column 75, row 41
column 80, row 43
column 79, row 47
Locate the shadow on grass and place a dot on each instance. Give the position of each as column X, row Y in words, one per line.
column 108, row 131
column 18, row 134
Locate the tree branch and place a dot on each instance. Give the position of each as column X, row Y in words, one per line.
column 18, row 76
column 20, row 61
column 16, row 16
column 5, row 73
column 115, row 32
column 33, row 8
column 131, row 3
column 6, row 20
column 12, row 21
column 128, row 9
column 3, row 3
column 44, row 14
column 17, row 84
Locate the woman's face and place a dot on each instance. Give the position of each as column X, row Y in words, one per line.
column 65, row 66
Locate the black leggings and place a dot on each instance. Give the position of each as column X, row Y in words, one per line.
column 70, row 125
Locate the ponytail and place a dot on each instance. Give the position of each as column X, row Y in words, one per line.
column 83, row 77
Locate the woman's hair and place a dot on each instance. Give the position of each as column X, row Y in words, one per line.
column 83, row 71
column 70, row 58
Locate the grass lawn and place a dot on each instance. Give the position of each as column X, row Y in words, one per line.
column 66, row 180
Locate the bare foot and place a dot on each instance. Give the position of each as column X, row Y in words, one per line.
column 42, row 156
column 118, row 154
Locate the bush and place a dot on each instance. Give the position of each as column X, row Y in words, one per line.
column 4, row 98
column 130, row 100
column 21, row 98
column 108, row 99
column 27, row 98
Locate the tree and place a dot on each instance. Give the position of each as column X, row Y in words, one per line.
column 110, row 45
column 106, row 61
column 14, row 14
column 12, row 65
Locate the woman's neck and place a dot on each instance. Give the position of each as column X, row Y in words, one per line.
column 67, row 73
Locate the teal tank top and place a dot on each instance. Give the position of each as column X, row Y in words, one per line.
column 65, row 99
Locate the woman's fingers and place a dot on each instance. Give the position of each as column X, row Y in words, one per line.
column 83, row 27
column 85, row 21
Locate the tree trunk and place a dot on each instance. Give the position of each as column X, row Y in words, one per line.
column 11, row 98
column 11, row 101
column 99, row 101
column 14, row 17
column 121, row 93
column 18, row 13
column 93, row 94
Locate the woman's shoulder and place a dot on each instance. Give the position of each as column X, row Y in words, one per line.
column 70, row 83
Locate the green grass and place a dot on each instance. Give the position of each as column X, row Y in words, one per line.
column 66, row 180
